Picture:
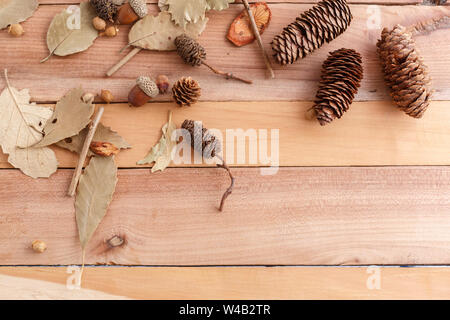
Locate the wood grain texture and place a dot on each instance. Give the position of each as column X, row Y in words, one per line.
column 51, row 80
column 47, row 2
column 371, row 133
column 227, row 283
column 300, row 216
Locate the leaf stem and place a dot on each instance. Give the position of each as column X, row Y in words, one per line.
column 18, row 106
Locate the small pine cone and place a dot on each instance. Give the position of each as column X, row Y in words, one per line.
column 186, row 91
column 190, row 50
column 405, row 73
column 106, row 9
column 342, row 73
column 210, row 145
column 322, row 23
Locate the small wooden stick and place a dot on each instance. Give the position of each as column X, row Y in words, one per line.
column 84, row 152
column 228, row 75
column 122, row 62
column 258, row 38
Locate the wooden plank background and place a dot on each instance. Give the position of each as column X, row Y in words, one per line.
column 226, row 283
column 300, row 216
column 371, row 188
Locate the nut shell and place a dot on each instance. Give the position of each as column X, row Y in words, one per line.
column 148, row 86
column 39, row 246
column 16, row 30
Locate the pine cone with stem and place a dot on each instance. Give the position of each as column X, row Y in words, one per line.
column 190, row 50
column 210, row 145
column 106, row 9
column 322, row 23
column 342, row 73
column 405, row 73
column 186, row 91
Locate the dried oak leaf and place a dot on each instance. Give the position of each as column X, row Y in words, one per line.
column 94, row 194
column 162, row 153
column 163, row 6
column 105, row 134
column 71, row 115
column 15, row 11
column 241, row 33
column 69, row 34
column 218, row 4
column 191, row 11
column 21, row 125
column 159, row 32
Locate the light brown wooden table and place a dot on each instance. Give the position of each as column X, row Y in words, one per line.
column 370, row 189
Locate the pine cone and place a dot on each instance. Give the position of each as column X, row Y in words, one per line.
column 405, row 73
column 210, row 145
column 322, row 23
column 190, row 50
column 342, row 73
column 106, row 9
column 186, row 91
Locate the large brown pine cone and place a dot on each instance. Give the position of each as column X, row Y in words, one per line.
column 202, row 140
column 322, row 23
column 190, row 50
column 186, row 91
column 405, row 73
column 106, row 9
column 342, row 73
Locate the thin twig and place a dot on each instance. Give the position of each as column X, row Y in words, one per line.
column 258, row 38
column 84, row 152
column 230, row 188
column 122, row 62
column 228, row 75
column 430, row 25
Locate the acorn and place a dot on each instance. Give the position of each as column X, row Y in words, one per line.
column 132, row 11
column 144, row 90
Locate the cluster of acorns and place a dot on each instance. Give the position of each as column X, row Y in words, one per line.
column 185, row 91
column 116, row 12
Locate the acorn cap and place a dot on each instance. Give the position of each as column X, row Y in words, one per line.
column 148, row 86
column 139, row 7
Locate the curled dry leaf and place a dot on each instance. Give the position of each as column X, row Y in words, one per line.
column 161, row 154
column 241, row 33
column 104, row 149
column 21, row 125
column 104, row 134
column 68, row 33
column 159, row 32
column 71, row 115
column 15, row 11
column 94, row 194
